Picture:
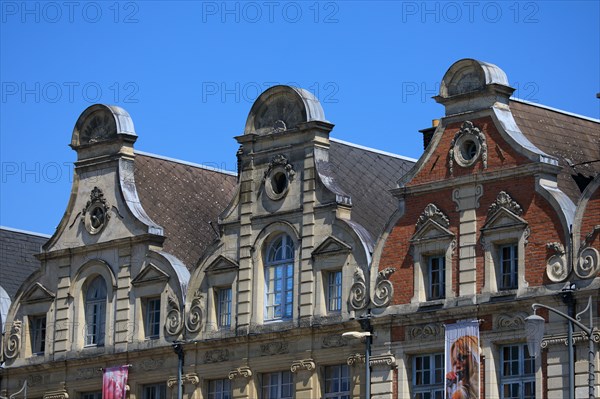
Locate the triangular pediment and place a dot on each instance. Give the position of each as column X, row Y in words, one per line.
column 222, row 264
column 331, row 245
column 431, row 230
column 503, row 217
column 37, row 293
column 150, row 274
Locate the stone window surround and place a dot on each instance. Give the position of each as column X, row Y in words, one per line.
column 142, row 295
column 261, row 245
column 31, row 310
column 84, row 277
column 492, row 240
column 322, row 267
column 422, row 251
column 218, row 280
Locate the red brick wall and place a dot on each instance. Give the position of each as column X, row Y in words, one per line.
column 591, row 218
column 500, row 154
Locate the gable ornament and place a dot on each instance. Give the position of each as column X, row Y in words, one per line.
column 468, row 145
column 174, row 322
column 587, row 264
column 95, row 212
column 193, row 321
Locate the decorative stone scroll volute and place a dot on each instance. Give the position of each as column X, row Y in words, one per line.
column 382, row 294
column 359, row 298
column 174, row 321
column 556, row 265
column 189, row 378
column 193, row 321
column 587, row 264
column 240, row 372
column 305, row 364
column 58, row 394
column 13, row 341
column 355, row 359
column 384, row 290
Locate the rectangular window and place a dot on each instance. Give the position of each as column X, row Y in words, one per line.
column 37, row 332
column 280, row 288
column 91, row 395
column 224, row 307
column 219, row 389
column 428, row 376
column 277, row 385
column 517, row 379
column 152, row 318
column 154, row 391
column 508, row 267
column 437, row 278
column 337, row 382
column 334, row 291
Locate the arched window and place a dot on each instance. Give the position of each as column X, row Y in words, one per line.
column 279, row 279
column 95, row 312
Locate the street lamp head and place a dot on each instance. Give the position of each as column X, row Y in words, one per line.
column 534, row 330
column 356, row 334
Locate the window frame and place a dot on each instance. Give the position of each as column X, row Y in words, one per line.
column 340, row 393
column 95, row 314
column 519, row 377
column 37, row 342
column 219, row 308
column 224, row 391
column 90, row 395
column 429, row 389
column 266, row 383
column 152, row 322
column 159, row 387
column 285, row 268
column 513, row 264
column 334, row 290
column 441, row 278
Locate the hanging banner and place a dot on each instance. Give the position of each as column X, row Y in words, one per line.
column 462, row 360
column 114, row 382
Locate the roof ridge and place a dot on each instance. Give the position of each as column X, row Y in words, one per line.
column 31, row 233
column 187, row 163
column 362, row 147
column 588, row 118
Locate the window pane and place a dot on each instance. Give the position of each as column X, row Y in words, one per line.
column 37, row 331
column 152, row 318
column 517, row 373
column 337, row 381
column 279, row 279
column 428, row 376
column 219, row 389
column 436, row 278
column 224, row 307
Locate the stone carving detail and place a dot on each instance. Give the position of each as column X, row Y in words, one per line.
column 503, row 200
column 174, row 322
column 95, row 212
column 514, row 321
column 588, row 263
column 189, row 378
column 334, row 341
column 358, row 291
column 99, row 127
column 305, row 364
column 556, row 265
column 384, row 290
column 193, row 321
column 425, row 332
column 273, row 348
column 88, row 372
column 388, row 360
column 280, row 160
column 216, row 356
column 432, row 212
column 459, row 147
column 59, row 394
column 240, row 372
column 151, row 364
column 577, row 337
column 355, row 359
column 13, row 342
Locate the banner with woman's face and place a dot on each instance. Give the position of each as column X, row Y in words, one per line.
column 462, row 360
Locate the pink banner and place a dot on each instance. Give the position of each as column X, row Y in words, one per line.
column 462, row 360
column 114, row 382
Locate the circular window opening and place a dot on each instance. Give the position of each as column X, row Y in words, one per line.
column 279, row 183
column 468, row 150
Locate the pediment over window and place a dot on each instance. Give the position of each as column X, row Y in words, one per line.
column 431, row 230
column 331, row 246
column 150, row 274
column 503, row 218
column 37, row 293
column 222, row 264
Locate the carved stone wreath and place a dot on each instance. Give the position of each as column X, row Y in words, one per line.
column 468, row 145
column 277, row 177
column 95, row 213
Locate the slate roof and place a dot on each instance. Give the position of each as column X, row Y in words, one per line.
column 573, row 139
column 368, row 175
column 17, row 260
column 182, row 197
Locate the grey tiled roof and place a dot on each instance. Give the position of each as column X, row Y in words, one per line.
column 17, row 260
column 570, row 138
column 183, row 198
column 368, row 175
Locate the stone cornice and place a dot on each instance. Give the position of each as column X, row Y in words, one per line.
column 481, row 178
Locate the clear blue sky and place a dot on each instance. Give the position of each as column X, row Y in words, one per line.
column 188, row 72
